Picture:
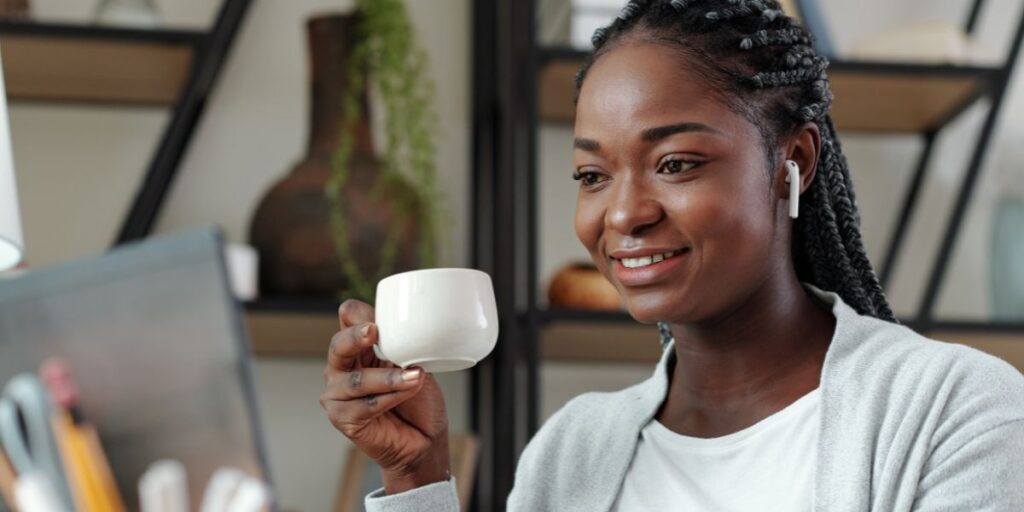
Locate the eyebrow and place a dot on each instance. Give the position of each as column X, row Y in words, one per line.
column 650, row 134
column 653, row 134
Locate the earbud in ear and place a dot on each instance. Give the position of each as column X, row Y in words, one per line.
column 793, row 178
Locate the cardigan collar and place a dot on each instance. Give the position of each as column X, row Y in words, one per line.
column 644, row 399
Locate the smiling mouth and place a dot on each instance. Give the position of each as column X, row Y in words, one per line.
column 645, row 261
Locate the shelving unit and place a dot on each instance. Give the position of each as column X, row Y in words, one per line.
column 118, row 67
column 869, row 96
column 287, row 327
column 48, row 62
column 518, row 85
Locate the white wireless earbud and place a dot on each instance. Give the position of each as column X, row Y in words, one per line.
column 793, row 178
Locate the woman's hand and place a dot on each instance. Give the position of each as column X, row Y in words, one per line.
column 395, row 416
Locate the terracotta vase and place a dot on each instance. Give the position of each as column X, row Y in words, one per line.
column 291, row 226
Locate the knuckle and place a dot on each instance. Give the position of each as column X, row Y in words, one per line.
column 349, row 429
column 355, row 380
column 371, row 402
column 336, row 339
column 349, row 308
column 346, row 306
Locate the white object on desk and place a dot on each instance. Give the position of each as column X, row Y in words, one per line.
column 11, row 242
column 252, row 496
column 243, row 270
column 164, row 487
column 34, row 493
column 223, row 485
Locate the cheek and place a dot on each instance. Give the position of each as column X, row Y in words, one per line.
column 727, row 221
column 589, row 221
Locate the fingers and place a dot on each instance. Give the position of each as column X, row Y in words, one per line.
column 351, row 416
column 347, row 345
column 365, row 382
column 354, row 312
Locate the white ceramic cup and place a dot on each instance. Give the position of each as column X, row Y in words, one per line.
column 442, row 319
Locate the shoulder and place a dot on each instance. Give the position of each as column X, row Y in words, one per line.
column 893, row 348
column 962, row 387
column 582, row 421
column 596, row 431
column 593, row 426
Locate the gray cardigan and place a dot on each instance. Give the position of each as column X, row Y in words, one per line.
column 907, row 423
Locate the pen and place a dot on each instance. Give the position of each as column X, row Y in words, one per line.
column 89, row 473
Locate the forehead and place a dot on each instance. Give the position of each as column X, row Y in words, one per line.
column 642, row 84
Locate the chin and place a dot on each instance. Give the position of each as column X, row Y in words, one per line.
column 651, row 308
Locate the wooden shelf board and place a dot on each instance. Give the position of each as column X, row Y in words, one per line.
column 303, row 329
column 869, row 97
column 600, row 342
column 66, row 63
column 291, row 334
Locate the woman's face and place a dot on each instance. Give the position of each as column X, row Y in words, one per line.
column 675, row 204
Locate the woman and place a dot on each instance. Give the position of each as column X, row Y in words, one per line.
column 785, row 384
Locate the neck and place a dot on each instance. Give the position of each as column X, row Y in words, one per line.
column 748, row 363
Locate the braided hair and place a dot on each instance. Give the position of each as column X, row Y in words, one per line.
column 763, row 65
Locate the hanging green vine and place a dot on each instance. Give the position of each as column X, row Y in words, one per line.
column 386, row 53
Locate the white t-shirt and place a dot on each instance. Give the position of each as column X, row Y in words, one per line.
column 768, row 466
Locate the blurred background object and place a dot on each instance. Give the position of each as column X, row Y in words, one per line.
column 128, row 13
column 11, row 242
column 582, row 286
column 928, row 42
column 294, row 226
column 14, row 9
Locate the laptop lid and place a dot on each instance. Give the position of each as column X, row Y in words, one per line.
column 158, row 347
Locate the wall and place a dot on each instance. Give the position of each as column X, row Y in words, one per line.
column 78, row 168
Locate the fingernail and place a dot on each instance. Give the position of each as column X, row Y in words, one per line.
column 411, row 375
column 365, row 331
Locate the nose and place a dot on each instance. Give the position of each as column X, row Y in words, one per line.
column 632, row 210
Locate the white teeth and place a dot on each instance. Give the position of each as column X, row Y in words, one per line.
column 636, row 262
column 647, row 260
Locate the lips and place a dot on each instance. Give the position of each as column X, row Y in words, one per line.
column 638, row 269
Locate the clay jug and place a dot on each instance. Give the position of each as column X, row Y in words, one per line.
column 291, row 227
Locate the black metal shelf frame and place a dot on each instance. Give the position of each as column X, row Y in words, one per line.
column 206, row 65
column 210, row 48
column 506, row 64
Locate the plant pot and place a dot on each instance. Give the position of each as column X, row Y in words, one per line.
column 291, row 227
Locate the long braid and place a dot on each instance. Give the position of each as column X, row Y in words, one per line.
column 771, row 74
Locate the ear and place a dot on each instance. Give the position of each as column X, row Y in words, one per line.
column 803, row 148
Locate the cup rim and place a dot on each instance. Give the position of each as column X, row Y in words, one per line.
column 444, row 270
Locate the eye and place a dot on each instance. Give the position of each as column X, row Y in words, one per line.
column 587, row 178
column 676, row 165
